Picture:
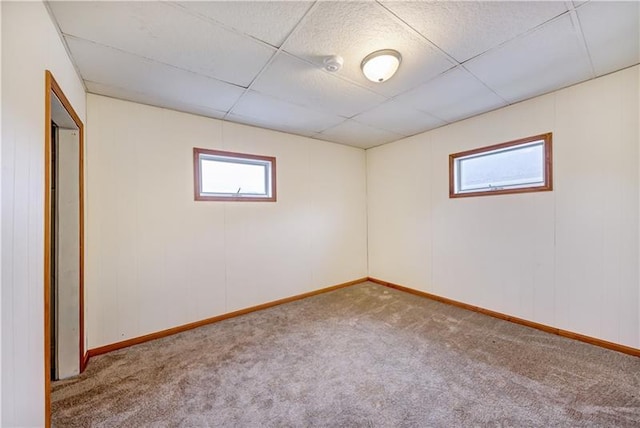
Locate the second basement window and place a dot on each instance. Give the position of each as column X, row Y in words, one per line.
column 514, row 167
column 228, row 176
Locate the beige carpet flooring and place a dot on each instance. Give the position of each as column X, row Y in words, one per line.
column 362, row 356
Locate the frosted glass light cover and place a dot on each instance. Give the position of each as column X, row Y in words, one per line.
column 381, row 65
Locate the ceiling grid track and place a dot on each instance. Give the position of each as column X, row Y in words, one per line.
column 273, row 57
column 261, row 64
column 457, row 64
column 575, row 20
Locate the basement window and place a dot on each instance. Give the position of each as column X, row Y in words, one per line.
column 228, row 176
column 514, row 167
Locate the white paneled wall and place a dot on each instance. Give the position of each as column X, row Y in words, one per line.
column 157, row 258
column 1, row 223
column 567, row 258
column 30, row 44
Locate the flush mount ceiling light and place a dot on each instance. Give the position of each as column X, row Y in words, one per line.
column 380, row 65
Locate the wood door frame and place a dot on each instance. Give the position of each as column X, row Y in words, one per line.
column 51, row 86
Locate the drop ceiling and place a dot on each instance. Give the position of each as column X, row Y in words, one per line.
column 260, row 62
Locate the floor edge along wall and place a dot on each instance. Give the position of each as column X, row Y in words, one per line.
column 168, row 332
column 564, row 333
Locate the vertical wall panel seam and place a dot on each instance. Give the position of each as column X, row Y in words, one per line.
column 366, row 208
column 554, row 297
column 39, row 259
column 310, row 247
column 430, row 286
column 13, row 275
column 621, row 195
column 1, row 228
column 638, row 181
column 225, row 247
column 136, row 240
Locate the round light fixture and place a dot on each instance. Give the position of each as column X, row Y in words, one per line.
column 380, row 65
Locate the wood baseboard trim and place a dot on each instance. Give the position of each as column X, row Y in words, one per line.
column 85, row 361
column 179, row 329
column 564, row 333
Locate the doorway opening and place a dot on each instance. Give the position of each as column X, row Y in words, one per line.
column 63, row 240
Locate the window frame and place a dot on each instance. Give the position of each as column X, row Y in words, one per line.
column 197, row 176
column 548, row 168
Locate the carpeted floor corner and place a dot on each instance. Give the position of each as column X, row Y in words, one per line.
column 362, row 356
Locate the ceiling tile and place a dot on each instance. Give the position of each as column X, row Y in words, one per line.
column 357, row 134
column 266, row 124
column 399, row 118
column 544, row 60
column 119, row 69
column 466, row 29
column 270, row 21
column 152, row 100
column 183, row 56
column 612, row 33
column 168, row 34
column 452, row 96
column 294, row 80
column 355, row 29
column 280, row 114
